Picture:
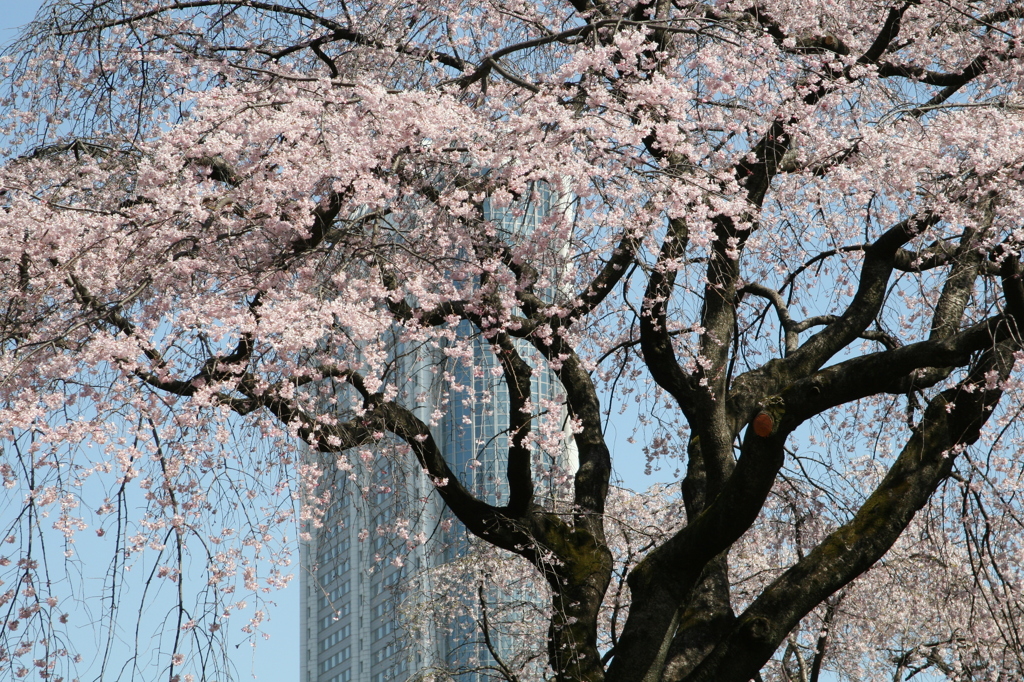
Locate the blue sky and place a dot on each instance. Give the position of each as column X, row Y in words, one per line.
column 15, row 13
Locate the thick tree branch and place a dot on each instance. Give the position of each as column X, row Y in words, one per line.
column 887, row 34
column 875, row 272
column 615, row 267
column 665, row 578
column 890, row 371
column 655, row 340
column 952, row 421
column 519, row 469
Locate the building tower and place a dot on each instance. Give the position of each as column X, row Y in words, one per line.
column 354, row 584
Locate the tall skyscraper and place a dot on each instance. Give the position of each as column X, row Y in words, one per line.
column 356, row 595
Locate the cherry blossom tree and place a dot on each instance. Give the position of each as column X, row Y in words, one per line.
column 788, row 232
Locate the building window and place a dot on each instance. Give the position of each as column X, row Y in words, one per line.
column 336, row 637
column 337, row 593
column 344, row 676
column 336, row 659
column 383, row 631
column 337, row 614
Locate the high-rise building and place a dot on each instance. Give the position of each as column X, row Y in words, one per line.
column 355, row 596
